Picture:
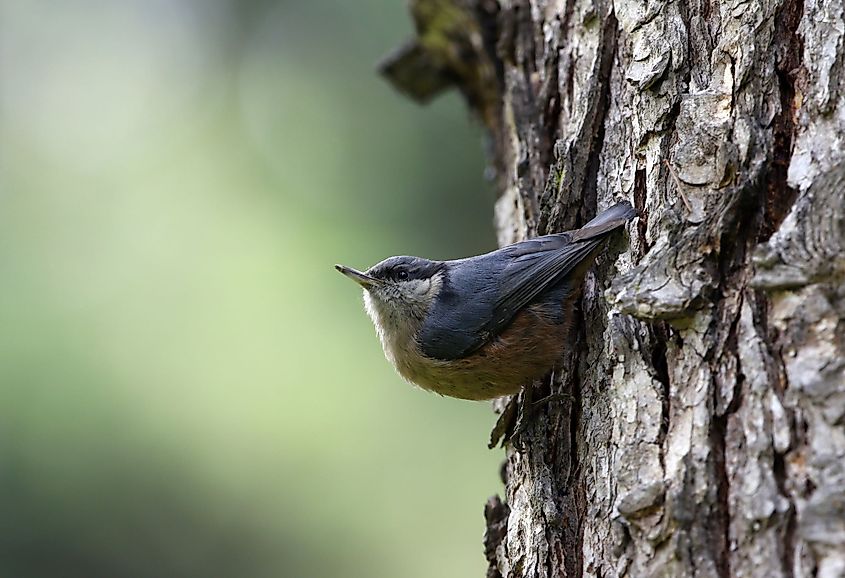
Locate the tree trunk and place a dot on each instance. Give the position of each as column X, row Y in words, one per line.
column 705, row 433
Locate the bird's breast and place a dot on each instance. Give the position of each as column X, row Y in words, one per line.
column 527, row 350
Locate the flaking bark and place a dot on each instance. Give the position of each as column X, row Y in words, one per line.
column 705, row 435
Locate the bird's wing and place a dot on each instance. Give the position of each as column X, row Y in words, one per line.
column 532, row 274
column 496, row 286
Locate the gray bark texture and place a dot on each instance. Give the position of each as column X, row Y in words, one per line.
column 705, row 431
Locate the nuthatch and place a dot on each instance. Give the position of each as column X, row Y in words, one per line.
column 485, row 326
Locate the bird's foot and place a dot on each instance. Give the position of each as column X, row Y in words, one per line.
column 518, row 415
column 504, row 423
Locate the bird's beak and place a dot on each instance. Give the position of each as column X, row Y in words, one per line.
column 361, row 279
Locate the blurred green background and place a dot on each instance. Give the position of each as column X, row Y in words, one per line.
column 187, row 387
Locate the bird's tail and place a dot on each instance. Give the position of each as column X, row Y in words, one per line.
column 605, row 222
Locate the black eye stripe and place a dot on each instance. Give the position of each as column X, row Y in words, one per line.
column 403, row 269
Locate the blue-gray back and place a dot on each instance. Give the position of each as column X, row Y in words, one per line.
column 481, row 295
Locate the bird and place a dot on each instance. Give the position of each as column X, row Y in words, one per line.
column 483, row 327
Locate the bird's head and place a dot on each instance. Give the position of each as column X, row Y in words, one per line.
column 399, row 290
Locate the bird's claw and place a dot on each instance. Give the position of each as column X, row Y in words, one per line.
column 518, row 414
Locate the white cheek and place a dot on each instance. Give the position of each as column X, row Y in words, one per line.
column 419, row 289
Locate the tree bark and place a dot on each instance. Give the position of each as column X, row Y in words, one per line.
column 705, row 433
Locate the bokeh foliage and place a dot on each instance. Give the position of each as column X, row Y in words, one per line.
column 187, row 388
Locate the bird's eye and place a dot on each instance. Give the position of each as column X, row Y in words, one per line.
column 402, row 275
